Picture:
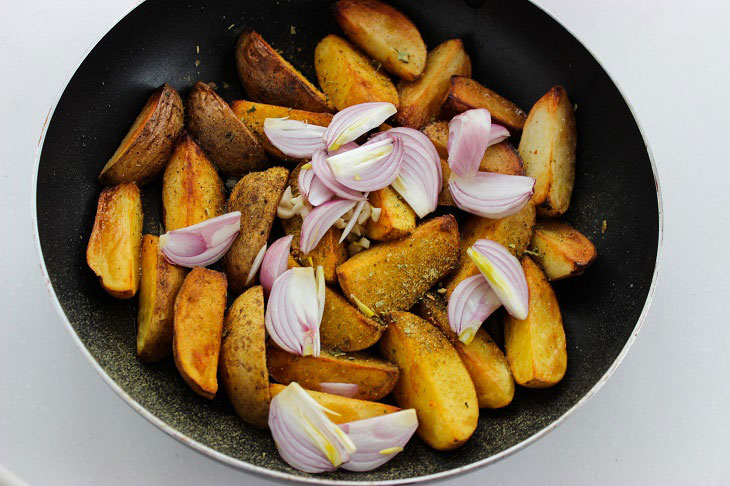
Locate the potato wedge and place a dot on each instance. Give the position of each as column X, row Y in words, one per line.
column 547, row 148
column 536, row 346
column 421, row 100
column 346, row 409
column 144, row 151
column 347, row 77
column 563, row 250
column 254, row 114
column 466, row 94
column 396, row 220
column 269, row 78
column 192, row 191
column 196, row 343
column 375, row 377
column 242, row 364
column 433, row 380
column 256, row 195
column 113, row 252
column 226, row 140
column 513, row 232
column 395, row 274
column 344, row 327
column 485, row 362
column 158, row 288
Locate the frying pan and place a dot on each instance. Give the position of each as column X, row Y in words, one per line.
column 517, row 50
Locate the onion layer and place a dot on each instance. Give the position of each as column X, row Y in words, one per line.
column 497, row 133
column 275, row 262
column 325, row 175
column 293, row 137
column 468, row 139
column 372, row 166
column 321, row 219
column 342, row 389
column 255, row 265
column 201, row 244
column 348, row 124
column 491, row 195
column 313, row 188
column 471, row 302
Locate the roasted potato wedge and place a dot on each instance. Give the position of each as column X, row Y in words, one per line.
column 421, row 100
column 466, row 94
column 192, row 191
column 395, row 274
column 256, row 195
column 199, row 309
column 485, row 362
column 513, row 232
column 433, row 380
column 269, row 78
column 344, row 327
column 536, row 346
column 375, row 377
column 385, row 34
column 562, row 250
column 254, row 114
column 547, row 148
column 242, row 364
column 223, row 136
column 347, row 77
column 158, row 288
column 346, row 409
column 396, row 220
column 144, row 151
column 113, row 252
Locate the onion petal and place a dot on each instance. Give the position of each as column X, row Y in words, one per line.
column 321, row 219
column 313, row 188
column 325, row 175
column 255, row 265
column 342, row 389
column 348, row 124
column 293, row 137
column 275, row 262
column 372, row 166
column 497, row 133
column 471, row 302
column 468, row 139
column 201, row 244
column 491, row 195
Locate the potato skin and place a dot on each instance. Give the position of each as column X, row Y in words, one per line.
column 347, row 77
column 421, row 100
column 113, row 251
column 198, row 326
column 395, row 274
column 563, row 250
column 143, row 153
column 192, row 191
column 433, row 380
column 547, row 148
column 269, row 78
column 257, row 196
column 385, row 34
column 535, row 347
column 242, row 366
column 396, row 220
column 344, row 327
column 226, row 140
column 160, row 283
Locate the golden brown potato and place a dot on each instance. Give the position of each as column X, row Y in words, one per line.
column 144, row 151
column 253, row 116
column 231, row 146
column 243, row 358
column 347, row 77
column 396, row 220
column 344, row 327
column 375, row 377
column 256, row 195
column 485, row 362
column 433, row 380
column 113, row 252
column 547, row 148
column 192, row 191
column 158, row 288
column 466, row 94
column 385, row 34
column 513, row 232
column 269, row 78
column 536, row 346
column 196, row 343
column 563, row 250
column 346, row 409
column 421, row 100
column 395, row 274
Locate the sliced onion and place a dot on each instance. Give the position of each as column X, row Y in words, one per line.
column 379, row 439
column 201, row 244
column 305, row 437
column 372, row 166
column 350, row 123
column 255, row 265
column 313, row 189
column 497, row 133
column 293, row 137
column 353, row 219
column 320, row 220
column 275, row 262
column 342, row 389
column 471, row 302
column 468, row 139
column 504, row 274
column 325, row 175
column 491, row 195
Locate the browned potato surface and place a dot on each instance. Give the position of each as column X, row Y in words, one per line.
column 199, row 309
column 113, row 252
column 563, row 250
column 344, row 327
column 396, row 220
column 145, row 149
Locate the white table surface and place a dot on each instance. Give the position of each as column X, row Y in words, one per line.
column 663, row 418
